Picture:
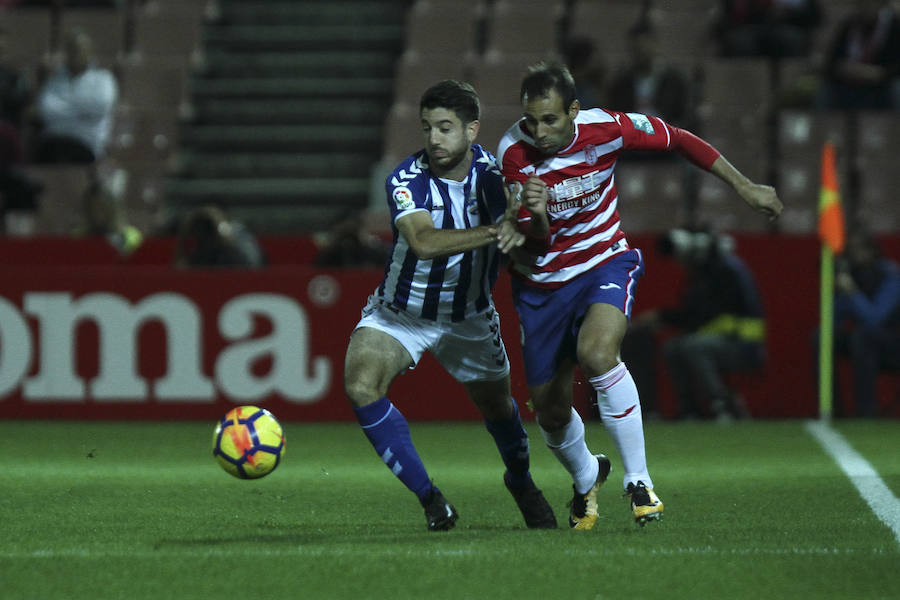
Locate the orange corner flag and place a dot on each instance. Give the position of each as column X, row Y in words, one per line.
column 831, row 215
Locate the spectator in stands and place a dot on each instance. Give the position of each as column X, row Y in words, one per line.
column 209, row 238
column 718, row 324
column 862, row 68
column 104, row 214
column 647, row 83
column 772, row 28
column 15, row 89
column 348, row 244
column 75, row 106
column 867, row 315
column 17, row 190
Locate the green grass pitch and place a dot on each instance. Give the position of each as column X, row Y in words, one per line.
column 141, row 510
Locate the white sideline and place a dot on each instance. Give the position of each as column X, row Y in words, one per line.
column 870, row 486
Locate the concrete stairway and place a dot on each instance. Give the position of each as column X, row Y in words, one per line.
column 289, row 110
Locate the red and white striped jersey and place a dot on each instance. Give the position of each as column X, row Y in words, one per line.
column 582, row 208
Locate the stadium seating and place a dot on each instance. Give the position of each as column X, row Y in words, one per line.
column 443, row 27
column 29, row 35
column 60, row 207
column 105, row 26
column 258, row 69
column 606, row 23
column 524, row 26
column 495, row 120
column 402, row 132
column 651, row 194
column 416, row 71
column 801, row 136
column 498, row 76
column 169, row 29
column 879, row 176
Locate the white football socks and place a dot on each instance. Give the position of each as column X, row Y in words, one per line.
column 568, row 446
column 620, row 408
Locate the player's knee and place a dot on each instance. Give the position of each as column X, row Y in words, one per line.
column 361, row 391
column 492, row 398
column 553, row 417
column 553, row 411
column 598, row 358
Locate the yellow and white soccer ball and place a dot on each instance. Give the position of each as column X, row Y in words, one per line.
column 248, row 442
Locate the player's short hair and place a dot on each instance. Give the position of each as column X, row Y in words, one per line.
column 458, row 96
column 546, row 76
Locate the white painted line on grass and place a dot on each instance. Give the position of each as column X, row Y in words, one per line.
column 868, row 483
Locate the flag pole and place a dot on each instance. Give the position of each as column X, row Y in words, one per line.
column 826, row 333
column 831, row 232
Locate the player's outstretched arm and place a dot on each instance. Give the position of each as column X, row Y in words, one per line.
column 762, row 198
column 428, row 242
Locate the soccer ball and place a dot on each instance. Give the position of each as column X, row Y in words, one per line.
column 248, row 442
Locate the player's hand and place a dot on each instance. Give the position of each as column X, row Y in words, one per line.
column 513, row 200
column 534, row 196
column 508, row 236
column 763, row 199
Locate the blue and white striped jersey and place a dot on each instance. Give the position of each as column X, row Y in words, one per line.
column 454, row 287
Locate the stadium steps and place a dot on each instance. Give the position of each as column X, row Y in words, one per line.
column 288, row 110
column 291, row 87
column 286, row 138
column 272, row 164
column 360, row 12
column 313, row 38
column 286, row 64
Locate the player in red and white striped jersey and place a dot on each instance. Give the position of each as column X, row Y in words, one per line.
column 574, row 279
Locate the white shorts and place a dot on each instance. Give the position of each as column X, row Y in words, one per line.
column 470, row 350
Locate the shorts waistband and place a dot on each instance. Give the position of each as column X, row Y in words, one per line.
column 440, row 318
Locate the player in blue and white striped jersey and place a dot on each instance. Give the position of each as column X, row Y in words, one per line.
column 450, row 221
column 446, row 286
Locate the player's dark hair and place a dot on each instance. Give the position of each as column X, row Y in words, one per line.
column 458, row 96
column 546, row 76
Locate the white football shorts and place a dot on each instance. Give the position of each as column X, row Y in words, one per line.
column 470, row 350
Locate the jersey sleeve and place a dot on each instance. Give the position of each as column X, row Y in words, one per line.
column 644, row 132
column 405, row 190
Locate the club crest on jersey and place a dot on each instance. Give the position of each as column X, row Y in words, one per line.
column 641, row 122
column 590, row 154
column 403, row 198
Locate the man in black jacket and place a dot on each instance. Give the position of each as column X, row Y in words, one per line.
column 719, row 324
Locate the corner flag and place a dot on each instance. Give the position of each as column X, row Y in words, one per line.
column 831, row 215
column 831, row 232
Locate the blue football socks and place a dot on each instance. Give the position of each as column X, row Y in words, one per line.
column 512, row 442
column 388, row 432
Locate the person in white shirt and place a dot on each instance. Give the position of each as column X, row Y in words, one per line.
column 75, row 105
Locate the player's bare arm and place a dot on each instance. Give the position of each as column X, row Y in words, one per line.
column 762, row 198
column 534, row 200
column 428, row 242
column 508, row 235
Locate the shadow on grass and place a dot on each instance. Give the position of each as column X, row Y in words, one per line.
column 375, row 535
